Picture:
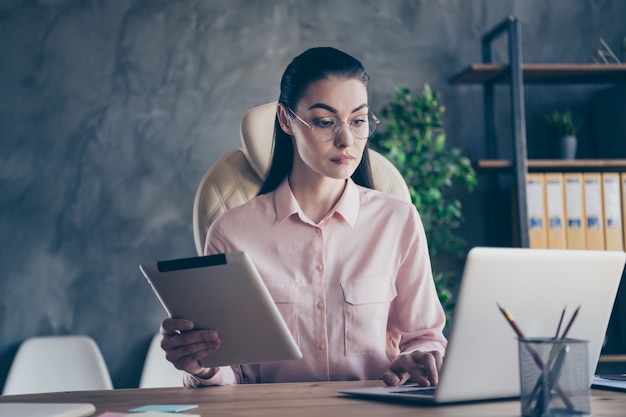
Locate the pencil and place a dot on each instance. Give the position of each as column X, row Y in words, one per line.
column 569, row 324
column 509, row 317
column 558, row 328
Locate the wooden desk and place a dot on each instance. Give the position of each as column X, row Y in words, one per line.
column 297, row 399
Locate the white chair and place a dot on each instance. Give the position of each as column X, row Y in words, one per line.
column 237, row 176
column 157, row 371
column 57, row 363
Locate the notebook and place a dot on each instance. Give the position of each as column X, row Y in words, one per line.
column 612, row 382
column 23, row 409
column 224, row 292
column 481, row 361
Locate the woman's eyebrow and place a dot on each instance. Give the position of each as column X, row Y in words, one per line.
column 323, row 106
column 362, row 106
column 332, row 109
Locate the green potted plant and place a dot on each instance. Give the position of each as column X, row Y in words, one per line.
column 563, row 129
column 413, row 139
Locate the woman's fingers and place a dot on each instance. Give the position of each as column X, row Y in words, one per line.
column 420, row 367
column 185, row 347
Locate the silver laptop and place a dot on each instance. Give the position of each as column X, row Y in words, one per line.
column 534, row 285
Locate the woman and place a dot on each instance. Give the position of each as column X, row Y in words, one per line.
column 347, row 266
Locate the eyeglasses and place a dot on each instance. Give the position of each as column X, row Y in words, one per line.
column 328, row 128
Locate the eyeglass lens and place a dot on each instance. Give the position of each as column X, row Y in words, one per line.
column 327, row 128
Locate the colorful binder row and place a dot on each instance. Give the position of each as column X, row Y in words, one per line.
column 576, row 210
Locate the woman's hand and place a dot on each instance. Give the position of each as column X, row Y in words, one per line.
column 419, row 367
column 184, row 347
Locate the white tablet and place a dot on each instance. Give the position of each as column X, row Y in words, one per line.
column 226, row 293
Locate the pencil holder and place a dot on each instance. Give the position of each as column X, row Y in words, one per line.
column 554, row 377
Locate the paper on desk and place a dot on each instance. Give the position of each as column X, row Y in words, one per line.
column 613, row 382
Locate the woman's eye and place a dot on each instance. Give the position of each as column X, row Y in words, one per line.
column 359, row 121
column 324, row 123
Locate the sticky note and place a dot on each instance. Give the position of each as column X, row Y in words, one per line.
column 164, row 408
column 161, row 414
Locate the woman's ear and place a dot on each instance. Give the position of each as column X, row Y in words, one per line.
column 283, row 118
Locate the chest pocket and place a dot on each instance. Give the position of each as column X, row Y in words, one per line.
column 285, row 296
column 366, row 311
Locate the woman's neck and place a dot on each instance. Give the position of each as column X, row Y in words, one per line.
column 317, row 198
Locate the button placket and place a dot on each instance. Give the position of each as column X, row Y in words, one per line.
column 319, row 304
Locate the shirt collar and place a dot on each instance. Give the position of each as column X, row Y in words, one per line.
column 347, row 206
column 286, row 204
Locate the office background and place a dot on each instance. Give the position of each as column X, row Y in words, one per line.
column 111, row 112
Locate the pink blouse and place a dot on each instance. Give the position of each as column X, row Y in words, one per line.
column 355, row 290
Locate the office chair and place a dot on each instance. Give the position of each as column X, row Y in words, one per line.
column 57, row 363
column 237, row 176
column 157, row 371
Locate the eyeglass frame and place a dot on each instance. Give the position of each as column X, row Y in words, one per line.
column 340, row 124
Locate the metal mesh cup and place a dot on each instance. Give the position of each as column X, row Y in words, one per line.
column 554, row 377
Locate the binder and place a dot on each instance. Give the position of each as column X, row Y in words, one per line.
column 555, row 210
column 593, row 210
column 613, row 229
column 536, row 207
column 575, row 211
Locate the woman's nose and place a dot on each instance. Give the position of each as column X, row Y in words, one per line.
column 344, row 137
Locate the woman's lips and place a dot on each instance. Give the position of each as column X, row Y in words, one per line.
column 343, row 159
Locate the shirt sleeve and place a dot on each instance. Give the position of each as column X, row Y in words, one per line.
column 227, row 375
column 416, row 317
column 216, row 241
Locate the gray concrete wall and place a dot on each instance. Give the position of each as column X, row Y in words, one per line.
column 111, row 111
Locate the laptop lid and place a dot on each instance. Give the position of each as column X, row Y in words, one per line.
column 224, row 292
column 535, row 285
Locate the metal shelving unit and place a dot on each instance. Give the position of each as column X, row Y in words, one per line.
column 515, row 74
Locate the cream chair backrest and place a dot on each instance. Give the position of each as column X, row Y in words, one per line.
column 157, row 371
column 237, row 176
column 57, row 363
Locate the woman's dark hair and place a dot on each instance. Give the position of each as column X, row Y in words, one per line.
column 313, row 65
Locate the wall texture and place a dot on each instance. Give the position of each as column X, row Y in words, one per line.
column 111, row 111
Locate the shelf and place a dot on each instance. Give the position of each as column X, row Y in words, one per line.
column 494, row 165
column 544, row 74
column 612, row 358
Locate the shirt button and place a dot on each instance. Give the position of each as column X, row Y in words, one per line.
column 320, row 305
column 319, row 267
column 318, row 231
column 322, row 346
